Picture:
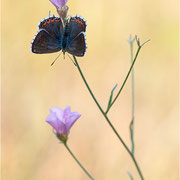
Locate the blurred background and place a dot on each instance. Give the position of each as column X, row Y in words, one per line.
column 30, row 86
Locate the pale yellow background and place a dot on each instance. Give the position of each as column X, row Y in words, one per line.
column 30, row 86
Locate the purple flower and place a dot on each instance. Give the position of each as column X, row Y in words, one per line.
column 61, row 7
column 59, row 3
column 62, row 120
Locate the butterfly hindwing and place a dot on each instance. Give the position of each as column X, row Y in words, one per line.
column 44, row 43
column 77, row 46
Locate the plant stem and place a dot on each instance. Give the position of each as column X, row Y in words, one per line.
column 125, row 78
column 107, row 119
column 133, row 99
column 78, row 162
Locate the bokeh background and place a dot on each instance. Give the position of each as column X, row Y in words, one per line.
column 30, row 86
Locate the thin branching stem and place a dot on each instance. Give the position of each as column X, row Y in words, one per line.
column 107, row 119
column 125, row 78
column 74, row 157
column 138, row 50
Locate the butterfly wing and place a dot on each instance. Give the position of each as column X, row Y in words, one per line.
column 76, row 25
column 77, row 46
column 49, row 37
column 53, row 25
column 76, row 40
column 44, row 43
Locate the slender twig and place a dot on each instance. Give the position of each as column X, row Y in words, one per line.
column 107, row 119
column 78, row 162
column 139, row 48
column 130, row 175
column 131, row 126
column 125, row 78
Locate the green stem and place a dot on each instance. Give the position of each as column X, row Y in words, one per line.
column 125, row 78
column 107, row 119
column 78, row 162
column 133, row 100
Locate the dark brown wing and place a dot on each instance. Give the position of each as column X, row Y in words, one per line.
column 44, row 43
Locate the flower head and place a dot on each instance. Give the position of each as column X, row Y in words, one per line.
column 62, row 120
column 61, row 7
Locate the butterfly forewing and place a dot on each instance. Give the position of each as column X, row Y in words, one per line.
column 77, row 25
column 54, row 26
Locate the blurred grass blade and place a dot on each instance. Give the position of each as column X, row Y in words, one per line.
column 131, row 127
column 110, row 99
column 130, row 175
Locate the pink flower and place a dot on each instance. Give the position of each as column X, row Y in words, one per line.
column 59, row 3
column 62, row 120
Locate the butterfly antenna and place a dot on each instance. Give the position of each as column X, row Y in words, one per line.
column 56, row 59
column 71, row 60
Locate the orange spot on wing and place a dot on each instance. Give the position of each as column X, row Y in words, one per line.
column 44, row 24
column 78, row 21
column 52, row 20
column 48, row 21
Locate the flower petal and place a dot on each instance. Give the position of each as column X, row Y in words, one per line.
column 73, row 117
column 58, row 125
column 62, row 128
column 58, row 111
column 67, row 109
column 52, row 120
column 59, row 3
column 66, row 114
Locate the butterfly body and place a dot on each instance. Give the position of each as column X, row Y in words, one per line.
column 53, row 35
column 66, row 40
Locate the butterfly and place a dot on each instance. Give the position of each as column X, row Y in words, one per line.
column 54, row 35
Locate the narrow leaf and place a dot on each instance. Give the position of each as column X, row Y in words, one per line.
column 110, row 98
